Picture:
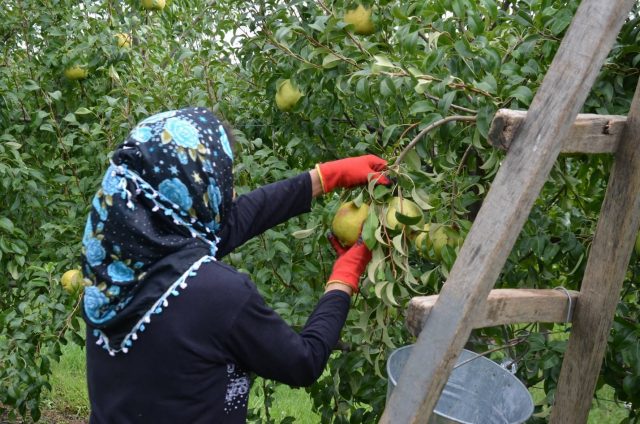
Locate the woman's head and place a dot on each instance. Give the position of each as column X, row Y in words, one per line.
column 160, row 207
column 187, row 157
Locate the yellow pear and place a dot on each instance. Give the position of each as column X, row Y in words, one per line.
column 441, row 236
column 287, row 95
column 422, row 242
column 76, row 72
column 637, row 246
column 360, row 18
column 123, row 40
column 71, row 280
column 153, row 4
column 347, row 222
column 404, row 207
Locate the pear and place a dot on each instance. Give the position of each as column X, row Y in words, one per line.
column 347, row 222
column 76, row 72
column 71, row 280
column 123, row 40
column 287, row 95
column 153, row 4
column 360, row 18
column 441, row 236
column 637, row 245
column 404, row 207
column 422, row 242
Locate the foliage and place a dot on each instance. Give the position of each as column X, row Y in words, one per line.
column 425, row 61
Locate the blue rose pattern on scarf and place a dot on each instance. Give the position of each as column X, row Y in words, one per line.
column 120, row 272
column 112, row 182
column 178, row 193
column 141, row 134
column 94, row 302
column 99, row 208
column 215, row 198
column 158, row 117
column 224, row 140
column 182, row 132
column 154, row 220
column 95, row 253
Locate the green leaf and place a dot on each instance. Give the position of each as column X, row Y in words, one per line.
column 31, row 85
column 421, row 106
column 387, row 87
column 82, row 111
column 522, row 93
column 398, row 242
column 301, row 234
column 561, row 20
column 378, row 288
column 408, row 220
column 462, row 47
column 412, row 159
column 47, row 127
column 56, row 95
column 330, row 61
column 6, row 224
column 71, row 118
column 387, row 295
column 369, row 229
column 421, row 198
column 377, row 259
column 387, row 133
column 445, row 102
column 383, row 62
column 483, row 121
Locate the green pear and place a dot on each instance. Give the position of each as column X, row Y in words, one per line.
column 287, row 96
column 347, row 222
column 441, row 236
column 360, row 18
column 404, row 207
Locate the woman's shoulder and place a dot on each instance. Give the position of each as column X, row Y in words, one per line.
column 219, row 277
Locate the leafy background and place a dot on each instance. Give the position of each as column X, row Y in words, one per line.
column 427, row 60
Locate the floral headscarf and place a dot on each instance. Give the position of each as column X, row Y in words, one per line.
column 154, row 221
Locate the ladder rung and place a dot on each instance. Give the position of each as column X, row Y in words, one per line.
column 504, row 306
column 588, row 134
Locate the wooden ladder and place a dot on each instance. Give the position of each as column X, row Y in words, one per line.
column 534, row 140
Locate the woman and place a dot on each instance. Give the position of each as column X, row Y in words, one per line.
column 171, row 332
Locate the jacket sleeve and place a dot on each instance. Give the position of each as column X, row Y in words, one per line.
column 263, row 208
column 262, row 342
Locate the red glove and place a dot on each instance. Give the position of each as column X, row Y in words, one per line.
column 350, row 264
column 351, row 172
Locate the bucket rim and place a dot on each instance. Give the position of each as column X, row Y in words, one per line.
column 517, row 382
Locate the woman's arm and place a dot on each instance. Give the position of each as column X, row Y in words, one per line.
column 262, row 342
column 270, row 205
column 316, row 185
column 263, row 208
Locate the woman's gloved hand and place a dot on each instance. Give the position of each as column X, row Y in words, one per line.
column 351, row 172
column 351, row 263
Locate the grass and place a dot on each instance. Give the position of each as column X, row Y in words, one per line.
column 290, row 402
column 69, row 397
column 603, row 411
column 68, row 402
column 68, row 382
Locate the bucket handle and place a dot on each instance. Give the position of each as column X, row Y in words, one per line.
column 485, row 353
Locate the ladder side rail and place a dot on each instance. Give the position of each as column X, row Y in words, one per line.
column 603, row 277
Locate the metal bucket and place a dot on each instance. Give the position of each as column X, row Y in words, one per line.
column 478, row 391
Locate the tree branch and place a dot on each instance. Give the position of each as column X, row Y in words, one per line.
column 428, row 129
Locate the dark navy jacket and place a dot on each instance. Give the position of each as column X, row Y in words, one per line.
column 192, row 363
